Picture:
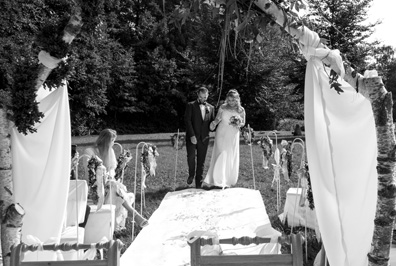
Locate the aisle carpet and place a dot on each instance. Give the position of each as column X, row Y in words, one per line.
column 233, row 212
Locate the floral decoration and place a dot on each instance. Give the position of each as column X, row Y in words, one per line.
column 266, row 145
column 309, row 191
column 286, row 159
column 93, row 164
column 148, row 161
column 178, row 142
column 247, row 134
column 207, row 109
column 122, row 164
column 235, row 120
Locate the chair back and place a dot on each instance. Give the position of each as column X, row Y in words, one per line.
column 293, row 259
column 113, row 254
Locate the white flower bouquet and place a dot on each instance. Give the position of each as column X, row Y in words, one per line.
column 235, row 121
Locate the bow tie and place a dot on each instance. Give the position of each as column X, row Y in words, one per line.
column 204, row 104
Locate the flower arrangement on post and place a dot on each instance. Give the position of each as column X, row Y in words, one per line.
column 178, row 141
column 266, row 145
column 95, row 182
column 247, row 134
column 286, row 159
column 122, row 162
column 148, row 161
column 235, row 121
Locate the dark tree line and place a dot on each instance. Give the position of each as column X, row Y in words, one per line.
column 136, row 63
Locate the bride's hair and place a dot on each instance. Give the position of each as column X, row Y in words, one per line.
column 234, row 94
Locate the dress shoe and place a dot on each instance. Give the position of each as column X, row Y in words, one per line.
column 190, row 180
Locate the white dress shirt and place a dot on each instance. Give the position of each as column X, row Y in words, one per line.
column 202, row 107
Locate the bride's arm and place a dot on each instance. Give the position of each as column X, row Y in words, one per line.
column 217, row 120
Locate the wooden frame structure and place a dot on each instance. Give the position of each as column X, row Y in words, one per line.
column 113, row 254
column 293, row 259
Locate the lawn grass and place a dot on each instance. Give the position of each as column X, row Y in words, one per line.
column 165, row 180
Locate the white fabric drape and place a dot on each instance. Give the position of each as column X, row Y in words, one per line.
column 341, row 151
column 41, row 169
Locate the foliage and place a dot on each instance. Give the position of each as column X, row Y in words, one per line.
column 135, row 64
column 26, row 29
column 344, row 25
column 289, row 124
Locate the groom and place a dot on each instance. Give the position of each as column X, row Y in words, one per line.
column 198, row 116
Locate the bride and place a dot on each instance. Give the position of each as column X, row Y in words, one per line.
column 224, row 164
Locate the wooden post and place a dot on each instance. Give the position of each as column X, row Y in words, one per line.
column 195, row 252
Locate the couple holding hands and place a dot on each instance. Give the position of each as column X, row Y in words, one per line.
column 200, row 119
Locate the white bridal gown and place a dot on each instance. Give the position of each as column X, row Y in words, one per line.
column 224, row 164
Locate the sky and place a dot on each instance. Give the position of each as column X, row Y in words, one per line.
column 384, row 10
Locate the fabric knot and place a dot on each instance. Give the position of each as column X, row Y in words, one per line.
column 47, row 60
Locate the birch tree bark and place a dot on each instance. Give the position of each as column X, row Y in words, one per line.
column 6, row 191
column 11, row 213
column 381, row 102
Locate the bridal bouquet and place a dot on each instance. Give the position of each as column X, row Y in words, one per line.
column 235, row 121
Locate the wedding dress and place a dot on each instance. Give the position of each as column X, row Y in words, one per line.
column 224, row 164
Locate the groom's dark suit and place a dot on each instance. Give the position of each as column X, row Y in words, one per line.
column 198, row 127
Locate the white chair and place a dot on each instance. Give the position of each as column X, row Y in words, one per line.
column 100, row 224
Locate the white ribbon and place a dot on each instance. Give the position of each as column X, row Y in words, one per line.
column 90, row 254
column 213, row 249
column 32, row 240
column 47, row 60
column 370, row 73
column 309, row 46
column 100, row 176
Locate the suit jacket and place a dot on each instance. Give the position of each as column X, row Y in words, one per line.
column 195, row 125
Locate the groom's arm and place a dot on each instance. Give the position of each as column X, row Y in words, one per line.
column 188, row 121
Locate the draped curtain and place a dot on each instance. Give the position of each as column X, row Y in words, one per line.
column 41, row 168
column 341, row 151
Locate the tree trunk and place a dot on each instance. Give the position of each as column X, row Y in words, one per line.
column 6, row 184
column 382, row 104
column 11, row 214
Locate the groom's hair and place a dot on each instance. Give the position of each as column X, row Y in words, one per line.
column 202, row 89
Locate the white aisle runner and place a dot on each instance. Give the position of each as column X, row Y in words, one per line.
column 233, row 212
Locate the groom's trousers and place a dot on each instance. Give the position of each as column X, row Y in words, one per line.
column 199, row 151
